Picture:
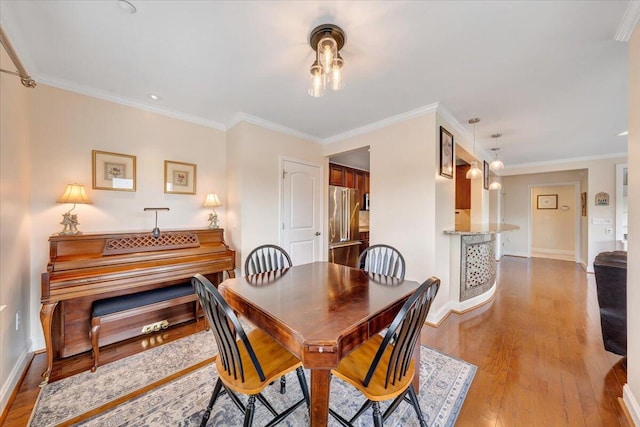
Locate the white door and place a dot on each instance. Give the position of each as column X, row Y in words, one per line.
column 302, row 211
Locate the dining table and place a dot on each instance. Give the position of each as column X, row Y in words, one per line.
column 320, row 312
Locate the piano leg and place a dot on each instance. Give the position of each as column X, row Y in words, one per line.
column 231, row 273
column 46, row 316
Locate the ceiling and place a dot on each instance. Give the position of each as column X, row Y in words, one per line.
column 548, row 75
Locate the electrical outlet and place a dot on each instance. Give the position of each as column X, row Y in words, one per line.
column 18, row 320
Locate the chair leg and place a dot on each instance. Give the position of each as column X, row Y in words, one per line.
column 394, row 405
column 283, row 385
column 377, row 416
column 366, row 405
column 266, row 403
column 212, row 401
column 303, row 385
column 416, row 405
column 248, row 415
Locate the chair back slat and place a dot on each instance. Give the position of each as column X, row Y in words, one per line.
column 225, row 327
column 382, row 259
column 266, row 258
column 406, row 326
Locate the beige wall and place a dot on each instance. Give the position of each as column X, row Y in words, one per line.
column 255, row 162
column 553, row 231
column 601, row 177
column 15, row 228
column 65, row 127
column 632, row 390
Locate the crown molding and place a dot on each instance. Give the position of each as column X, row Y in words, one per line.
column 628, row 22
column 248, row 118
column 94, row 93
column 450, row 118
column 382, row 123
column 517, row 168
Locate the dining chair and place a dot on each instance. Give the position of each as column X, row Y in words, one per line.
column 246, row 363
column 383, row 368
column 266, row 258
column 382, row 259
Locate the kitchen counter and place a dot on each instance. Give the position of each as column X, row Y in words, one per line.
column 482, row 229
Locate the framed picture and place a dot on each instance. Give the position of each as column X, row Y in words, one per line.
column 446, row 153
column 547, row 201
column 583, row 202
column 485, row 175
column 179, row 178
column 113, row 171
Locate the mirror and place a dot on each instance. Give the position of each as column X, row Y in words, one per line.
column 622, row 181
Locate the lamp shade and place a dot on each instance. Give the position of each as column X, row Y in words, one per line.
column 474, row 171
column 74, row 194
column 212, row 201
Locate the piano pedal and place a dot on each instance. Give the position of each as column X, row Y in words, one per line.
column 155, row 327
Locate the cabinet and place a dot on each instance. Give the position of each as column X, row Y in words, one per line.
column 463, row 188
column 364, row 240
column 345, row 176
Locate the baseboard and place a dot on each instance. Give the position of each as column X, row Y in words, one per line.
column 13, row 380
column 518, row 254
column 559, row 254
column 584, row 265
column 435, row 318
column 632, row 404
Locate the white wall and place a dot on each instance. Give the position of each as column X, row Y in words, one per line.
column 632, row 389
column 65, row 127
column 15, row 228
column 255, row 164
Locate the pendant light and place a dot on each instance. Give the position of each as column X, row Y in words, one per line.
column 327, row 71
column 474, row 171
column 496, row 164
column 495, row 184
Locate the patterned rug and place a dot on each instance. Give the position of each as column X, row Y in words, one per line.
column 444, row 382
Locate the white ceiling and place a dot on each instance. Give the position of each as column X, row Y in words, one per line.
column 548, row 75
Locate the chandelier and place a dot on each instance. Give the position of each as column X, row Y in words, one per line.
column 327, row 69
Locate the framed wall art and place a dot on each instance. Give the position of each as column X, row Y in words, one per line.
column 547, row 201
column 179, row 178
column 485, row 175
column 446, row 153
column 113, row 171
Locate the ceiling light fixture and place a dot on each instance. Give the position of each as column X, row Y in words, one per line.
column 495, row 184
column 154, row 97
column 623, row 133
column 127, row 6
column 496, row 164
column 327, row 69
column 474, row 171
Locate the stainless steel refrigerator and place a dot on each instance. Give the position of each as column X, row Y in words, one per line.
column 344, row 211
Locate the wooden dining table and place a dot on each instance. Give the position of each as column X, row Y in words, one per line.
column 320, row 312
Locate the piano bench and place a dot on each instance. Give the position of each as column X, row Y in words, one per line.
column 120, row 312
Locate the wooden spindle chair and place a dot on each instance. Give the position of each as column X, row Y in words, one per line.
column 266, row 258
column 382, row 259
column 382, row 368
column 246, row 363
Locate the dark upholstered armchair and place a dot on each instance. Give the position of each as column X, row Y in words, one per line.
column 611, row 280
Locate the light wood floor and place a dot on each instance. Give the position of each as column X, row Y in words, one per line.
column 537, row 346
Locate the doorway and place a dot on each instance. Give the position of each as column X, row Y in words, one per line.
column 301, row 214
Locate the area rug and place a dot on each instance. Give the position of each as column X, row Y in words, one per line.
column 444, row 382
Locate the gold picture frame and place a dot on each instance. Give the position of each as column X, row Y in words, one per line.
column 179, row 177
column 113, row 171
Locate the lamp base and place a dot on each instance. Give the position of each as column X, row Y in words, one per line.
column 70, row 224
column 213, row 220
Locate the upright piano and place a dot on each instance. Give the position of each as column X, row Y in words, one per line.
column 88, row 267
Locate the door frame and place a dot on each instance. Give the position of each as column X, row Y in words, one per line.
column 323, row 205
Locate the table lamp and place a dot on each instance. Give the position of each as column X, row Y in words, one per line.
column 212, row 202
column 73, row 194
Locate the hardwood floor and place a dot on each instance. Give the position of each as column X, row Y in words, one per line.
column 537, row 346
